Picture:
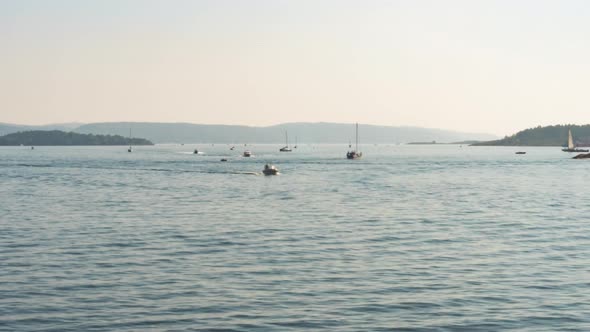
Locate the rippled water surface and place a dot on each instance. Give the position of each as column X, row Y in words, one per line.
column 441, row 238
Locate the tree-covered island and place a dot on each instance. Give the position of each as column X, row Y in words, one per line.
column 544, row 136
column 57, row 137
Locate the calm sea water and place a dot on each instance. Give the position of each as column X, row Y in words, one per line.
column 416, row 238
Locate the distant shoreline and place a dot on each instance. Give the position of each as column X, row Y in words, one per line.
column 61, row 138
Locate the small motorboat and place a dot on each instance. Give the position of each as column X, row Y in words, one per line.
column 247, row 153
column 520, row 152
column 223, row 159
column 270, row 170
column 130, row 149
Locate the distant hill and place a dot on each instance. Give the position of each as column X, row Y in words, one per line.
column 304, row 132
column 436, row 143
column 424, row 143
column 57, row 137
column 7, row 128
column 544, row 136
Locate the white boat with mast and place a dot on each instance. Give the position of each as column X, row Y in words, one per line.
column 286, row 147
column 130, row 148
column 355, row 154
column 571, row 147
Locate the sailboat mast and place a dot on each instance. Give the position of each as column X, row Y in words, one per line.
column 357, row 137
column 129, row 150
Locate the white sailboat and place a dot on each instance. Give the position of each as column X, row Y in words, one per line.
column 355, row 154
column 286, row 147
column 571, row 147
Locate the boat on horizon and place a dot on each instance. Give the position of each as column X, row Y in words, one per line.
column 130, row 148
column 571, row 147
column 286, row 147
column 247, row 153
column 355, row 154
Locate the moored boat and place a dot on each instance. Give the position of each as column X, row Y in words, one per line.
column 355, row 154
column 130, row 148
column 286, row 148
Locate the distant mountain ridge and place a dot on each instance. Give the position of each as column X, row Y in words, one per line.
column 544, row 136
column 321, row 132
column 8, row 128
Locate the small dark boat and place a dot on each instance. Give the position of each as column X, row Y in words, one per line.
column 196, row 151
column 520, row 152
column 130, row 149
column 223, row 159
column 270, row 170
column 247, row 153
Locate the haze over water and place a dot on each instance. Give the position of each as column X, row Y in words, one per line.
column 416, row 238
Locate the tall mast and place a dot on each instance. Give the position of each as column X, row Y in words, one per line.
column 357, row 137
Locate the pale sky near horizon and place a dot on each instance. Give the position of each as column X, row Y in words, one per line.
column 478, row 66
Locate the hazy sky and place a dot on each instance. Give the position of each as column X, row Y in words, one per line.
column 487, row 66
